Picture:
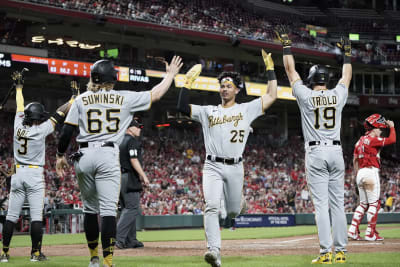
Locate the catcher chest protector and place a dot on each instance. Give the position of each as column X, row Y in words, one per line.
column 318, row 75
column 103, row 71
column 34, row 112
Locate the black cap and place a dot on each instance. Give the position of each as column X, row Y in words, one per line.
column 135, row 123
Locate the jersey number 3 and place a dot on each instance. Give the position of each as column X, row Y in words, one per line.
column 24, row 145
column 329, row 114
column 95, row 122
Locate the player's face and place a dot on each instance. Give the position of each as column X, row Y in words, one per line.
column 228, row 91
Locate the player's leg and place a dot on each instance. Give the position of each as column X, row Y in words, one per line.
column 336, row 200
column 233, row 186
column 354, row 231
column 35, row 188
column 372, row 188
column 108, row 179
column 212, row 189
column 131, row 240
column 17, row 198
column 84, row 172
column 317, row 180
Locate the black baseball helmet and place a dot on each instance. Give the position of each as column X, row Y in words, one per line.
column 103, row 72
column 34, row 112
column 318, row 75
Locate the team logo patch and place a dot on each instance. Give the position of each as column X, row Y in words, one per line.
column 133, row 152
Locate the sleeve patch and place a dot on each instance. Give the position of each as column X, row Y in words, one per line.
column 133, row 152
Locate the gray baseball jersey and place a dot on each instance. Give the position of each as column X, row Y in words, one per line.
column 102, row 117
column 105, row 115
column 226, row 130
column 321, row 115
column 321, row 111
column 225, row 133
column 29, row 141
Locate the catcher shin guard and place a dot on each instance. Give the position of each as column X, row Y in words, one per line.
column 372, row 216
column 7, row 235
column 357, row 218
column 91, row 226
column 108, row 234
column 36, row 236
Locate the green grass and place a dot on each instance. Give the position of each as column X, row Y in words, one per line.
column 370, row 259
column 198, row 234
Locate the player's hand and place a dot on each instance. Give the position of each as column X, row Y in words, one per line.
column 345, row 45
column 75, row 89
column 18, row 78
column 192, row 75
column 282, row 32
column 269, row 63
column 175, row 65
column 390, row 123
column 145, row 181
column 61, row 165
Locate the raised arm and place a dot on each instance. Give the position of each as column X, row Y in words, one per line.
column 347, row 71
column 271, row 94
column 172, row 70
column 288, row 59
column 183, row 99
column 62, row 111
column 19, row 84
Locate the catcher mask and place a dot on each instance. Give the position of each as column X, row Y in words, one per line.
column 375, row 121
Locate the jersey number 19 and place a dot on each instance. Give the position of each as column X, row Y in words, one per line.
column 329, row 115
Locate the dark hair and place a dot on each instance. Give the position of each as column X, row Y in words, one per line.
column 237, row 80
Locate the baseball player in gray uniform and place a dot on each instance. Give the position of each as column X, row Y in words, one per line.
column 225, row 129
column 102, row 116
column 321, row 114
column 30, row 131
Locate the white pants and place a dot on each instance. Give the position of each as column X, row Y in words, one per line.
column 368, row 185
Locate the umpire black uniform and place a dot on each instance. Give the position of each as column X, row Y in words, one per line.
column 131, row 186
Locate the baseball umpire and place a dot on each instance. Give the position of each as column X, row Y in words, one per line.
column 31, row 127
column 226, row 128
column 131, row 185
column 321, row 116
column 102, row 116
column 367, row 162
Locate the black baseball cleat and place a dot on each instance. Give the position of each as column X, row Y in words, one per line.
column 38, row 256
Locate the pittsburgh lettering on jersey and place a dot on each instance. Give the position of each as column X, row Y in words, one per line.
column 22, row 133
column 323, row 101
column 103, row 99
column 212, row 121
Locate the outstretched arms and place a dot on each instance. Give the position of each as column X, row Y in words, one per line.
column 183, row 99
column 172, row 70
column 347, row 71
column 271, row 94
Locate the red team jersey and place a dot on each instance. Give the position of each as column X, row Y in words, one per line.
column 367, row 149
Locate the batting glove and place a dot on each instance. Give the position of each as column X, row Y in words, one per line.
column 282, row 32
column 75, row 88
column 18, row 78
column 269, row 63
column 192, row 75
column 345, row 46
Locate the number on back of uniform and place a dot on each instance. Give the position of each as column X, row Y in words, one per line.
column 237, row 136
column 329, row 115
column 23, row 149
column 95, row 120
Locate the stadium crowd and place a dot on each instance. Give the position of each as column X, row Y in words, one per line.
column 275, row 181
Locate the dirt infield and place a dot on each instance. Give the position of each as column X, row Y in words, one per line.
column 277, row 246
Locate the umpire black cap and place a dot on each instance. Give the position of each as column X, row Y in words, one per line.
column 103, row 71
column 135, row 123
column 318, row 75
column 34, row 112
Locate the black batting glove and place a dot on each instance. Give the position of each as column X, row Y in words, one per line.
column 75, row 88
column 18, row 78
column 282, row 32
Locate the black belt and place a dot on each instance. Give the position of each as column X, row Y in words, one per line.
column 86, row 144
column 228, row 161
column 317, row 143
column 123, row 170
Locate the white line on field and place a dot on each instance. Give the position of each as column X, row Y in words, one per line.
column 296, row 240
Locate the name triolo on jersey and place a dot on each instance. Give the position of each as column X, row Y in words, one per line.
column 323, row 101
column 103, row 99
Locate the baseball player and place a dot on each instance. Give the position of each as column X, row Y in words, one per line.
column 366, row 162
column 225, row 129
column 102, row 116
column 321, row 114
column 30, row 131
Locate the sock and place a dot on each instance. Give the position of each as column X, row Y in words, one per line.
column 36, row 236
column 91, row 226
column 8, row 230
column 108, row 234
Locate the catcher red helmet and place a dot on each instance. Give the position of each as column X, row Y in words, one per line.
column 374, row 121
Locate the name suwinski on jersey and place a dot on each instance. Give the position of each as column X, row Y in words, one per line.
column 103, row 99
column 323, row 101
column 22, row 133
column 212, row 121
